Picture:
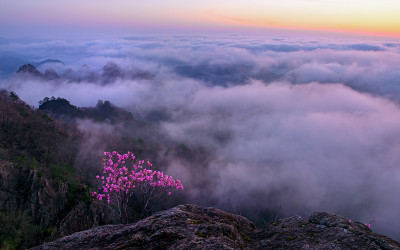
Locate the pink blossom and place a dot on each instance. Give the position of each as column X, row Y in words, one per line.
column 120, row 178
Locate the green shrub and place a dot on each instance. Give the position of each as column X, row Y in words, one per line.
column 61, row 171
column 25, row 161
column 47, row 118
column 17, row 230
column 72, row 191
column 57, row 172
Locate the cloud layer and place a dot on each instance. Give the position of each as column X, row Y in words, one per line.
column 290, row 125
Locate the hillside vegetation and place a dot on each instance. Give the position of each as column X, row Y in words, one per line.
column 47, row 168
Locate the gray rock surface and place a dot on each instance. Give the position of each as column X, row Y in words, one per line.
column 195, row 227
column 320, row 231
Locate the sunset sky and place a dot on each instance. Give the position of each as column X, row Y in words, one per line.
column 372, row 17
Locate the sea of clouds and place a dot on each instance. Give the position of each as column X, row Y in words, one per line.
column 293, row 125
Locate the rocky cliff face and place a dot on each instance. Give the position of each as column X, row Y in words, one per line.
column 195, row 227
column 46, row 199
column 24, row 189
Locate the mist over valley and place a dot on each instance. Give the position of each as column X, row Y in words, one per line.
column 265, row 126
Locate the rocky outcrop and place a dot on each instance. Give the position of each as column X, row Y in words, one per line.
column 182, row 227
column 195, row 227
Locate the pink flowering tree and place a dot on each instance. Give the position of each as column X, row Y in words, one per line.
column 124, row 177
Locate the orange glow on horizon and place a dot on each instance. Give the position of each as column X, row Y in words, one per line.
column 385, row 32
column 369, row 17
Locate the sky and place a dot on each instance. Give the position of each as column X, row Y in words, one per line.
column 368, row 17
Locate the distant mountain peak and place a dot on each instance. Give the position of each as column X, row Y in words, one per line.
column 51, row 74
column 47, row 61
column 61, row 108
column 29, row 69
